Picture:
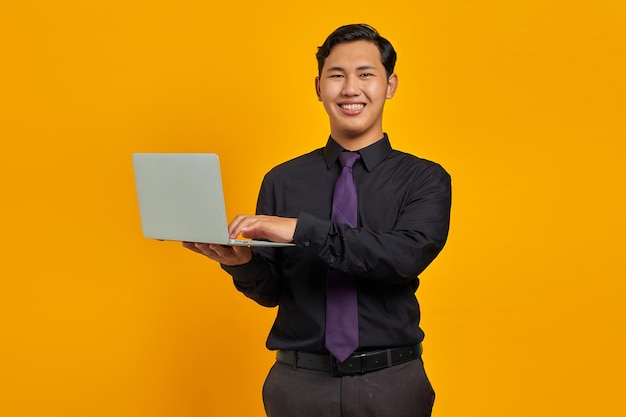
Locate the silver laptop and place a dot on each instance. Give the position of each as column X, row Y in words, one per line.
column 181, row 198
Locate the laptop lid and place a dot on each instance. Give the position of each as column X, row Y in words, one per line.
column 181, row 198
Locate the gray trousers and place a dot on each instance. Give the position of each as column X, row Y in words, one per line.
column 399, row 391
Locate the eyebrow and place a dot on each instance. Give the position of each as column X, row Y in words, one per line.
column 361, row 68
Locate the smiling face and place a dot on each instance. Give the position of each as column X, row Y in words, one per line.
column 353, row 86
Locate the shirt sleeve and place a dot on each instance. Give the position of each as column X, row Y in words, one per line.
column 255, row 280
column 397, row 255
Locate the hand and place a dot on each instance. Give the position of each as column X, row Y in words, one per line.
column 226, row 255
column 277, row 229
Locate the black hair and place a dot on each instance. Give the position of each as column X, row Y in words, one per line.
column 357, row 32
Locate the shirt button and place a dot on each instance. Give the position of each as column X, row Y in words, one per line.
column 307, row 243
column 331, row 259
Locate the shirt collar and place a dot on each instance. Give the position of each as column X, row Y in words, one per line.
column 370, row 155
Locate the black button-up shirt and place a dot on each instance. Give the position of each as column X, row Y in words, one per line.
column 403, row 220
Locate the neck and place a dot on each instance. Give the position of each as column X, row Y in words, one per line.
column 355, row 143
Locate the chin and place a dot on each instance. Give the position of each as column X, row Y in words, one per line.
column 354, row 132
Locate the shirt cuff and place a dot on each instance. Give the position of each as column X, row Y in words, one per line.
column 311, row 230
column 245, row 273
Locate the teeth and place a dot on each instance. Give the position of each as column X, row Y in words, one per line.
column 352, row 106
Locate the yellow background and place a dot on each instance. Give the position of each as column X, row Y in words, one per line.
column 523, row 102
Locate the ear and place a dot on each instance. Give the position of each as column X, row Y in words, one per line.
column 317, row 89
column 392, row 85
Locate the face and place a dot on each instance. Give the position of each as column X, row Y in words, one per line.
column 353, row 87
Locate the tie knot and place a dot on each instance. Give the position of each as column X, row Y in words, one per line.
column 348, row 159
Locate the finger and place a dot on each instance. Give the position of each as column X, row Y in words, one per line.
column 255, row 227
column 191, row 246
column 229, row 255
column 252, row 230
column 209, row 251
column 239, row 223
column 205, row 249
column 233, row 225
column 258, row 227
column 241, row 255
column 222, row 251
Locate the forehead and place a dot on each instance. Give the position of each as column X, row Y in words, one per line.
column 354, row 55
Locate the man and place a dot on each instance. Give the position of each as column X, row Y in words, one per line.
column 400, row 218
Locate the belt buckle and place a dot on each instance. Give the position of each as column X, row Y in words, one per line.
column 353, row 365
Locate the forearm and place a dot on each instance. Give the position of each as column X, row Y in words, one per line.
column 398, row 255
column 396, row 249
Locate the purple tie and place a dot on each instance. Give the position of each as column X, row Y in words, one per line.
column 342, row 319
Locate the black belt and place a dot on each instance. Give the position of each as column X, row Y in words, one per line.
column 358, row 363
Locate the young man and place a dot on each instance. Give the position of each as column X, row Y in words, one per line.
column 375, row 246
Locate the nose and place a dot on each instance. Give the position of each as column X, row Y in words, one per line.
column 351, row 86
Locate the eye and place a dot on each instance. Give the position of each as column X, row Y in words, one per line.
column 336, row 76
column 367, row 74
